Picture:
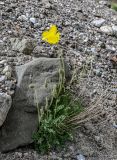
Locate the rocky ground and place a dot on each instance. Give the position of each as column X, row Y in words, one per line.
column 89, row 40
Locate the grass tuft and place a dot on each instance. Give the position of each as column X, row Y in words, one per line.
column 55, row 119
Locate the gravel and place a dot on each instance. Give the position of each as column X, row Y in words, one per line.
column 89, row 41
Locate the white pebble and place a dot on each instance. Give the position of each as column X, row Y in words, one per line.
column 22, row 18
column 114, row 28
column 2, row 78
column 7, row 69
column 3, row 62
column 107, row 29
column 32, row 20
column 8, row 74
column 80, row 157
column 98, row 22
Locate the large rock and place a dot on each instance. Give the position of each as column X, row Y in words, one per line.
column 21, row 121
column 5, row 104
column 25, row 46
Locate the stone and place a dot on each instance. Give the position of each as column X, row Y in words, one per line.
column 47, row 5
column 10, row 84
column 80, row 157
column 11, row 92
column 115, row 125
column 5, row 105
column 1, row 3
column 32, row 20
column 38, row 52
column 94, row 92
column 13, row 5
column 113, row 59
column 107, row 29
column 4, row 39
column 98, row 72
column 107, row 3
column 7, row 69
column 1, row 41
column 114, row 28
column 2, row 78
column 22, row 121
column 25, row 46
column 37, row 25
column 3, row 62
column 18, row 154
column 93, row 50
column 110, row 48
column 22, row 18
column 8, row 75
column 98, row 22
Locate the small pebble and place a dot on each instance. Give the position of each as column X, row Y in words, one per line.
column 107, row 29
column 22, row 18
column 3, row 62
column 1, row 3
column 98, row 22
column 114, row 28
column 11, row 92
column 32, row 20
column 7, row 69
column 2, row 78
column 98, row 72
column 8, row 75
column 80, row 157
column 19, row 154
column 115, row 125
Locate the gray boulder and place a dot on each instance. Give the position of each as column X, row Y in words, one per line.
column 25, row 46
column 5, row 105
column 21, row 121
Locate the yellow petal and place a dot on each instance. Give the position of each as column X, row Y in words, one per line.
column 53, row 29
column 45, row 35
column 53, row 39
column 51, row 36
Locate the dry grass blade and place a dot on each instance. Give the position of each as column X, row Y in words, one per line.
column 91, row 112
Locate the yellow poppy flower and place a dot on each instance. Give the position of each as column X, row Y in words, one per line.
column 51, row 36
